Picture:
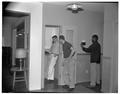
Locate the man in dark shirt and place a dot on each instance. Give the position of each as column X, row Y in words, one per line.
column 95, row 56
column 68, row 53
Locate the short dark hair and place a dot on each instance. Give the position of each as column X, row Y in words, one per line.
column 95, row 36
column 61, row 37
column 54, row 36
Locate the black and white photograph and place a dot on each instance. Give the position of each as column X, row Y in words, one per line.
column 59, row 47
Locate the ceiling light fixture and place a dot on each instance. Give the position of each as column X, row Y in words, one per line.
column 75, row 8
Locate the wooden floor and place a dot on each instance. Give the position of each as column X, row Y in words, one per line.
column 49, row 86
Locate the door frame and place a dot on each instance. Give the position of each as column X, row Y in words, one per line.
column 26, row 20
column 43, row 50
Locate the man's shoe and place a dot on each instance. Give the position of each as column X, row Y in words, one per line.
column 71, row 89
column 91, row 86
column 50, row 81
column 65, row 86
column 97, row 84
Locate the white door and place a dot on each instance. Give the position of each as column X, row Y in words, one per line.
column 69, row 36
column 49, row 32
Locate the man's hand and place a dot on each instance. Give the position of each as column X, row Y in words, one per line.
column 55, row 55
column 82, row 45
column 48, row 50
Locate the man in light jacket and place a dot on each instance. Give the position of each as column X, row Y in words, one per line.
column 54, row 52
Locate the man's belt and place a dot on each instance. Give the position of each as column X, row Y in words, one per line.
column 73, row 54
column 54, row 54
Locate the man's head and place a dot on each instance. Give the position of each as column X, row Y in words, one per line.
column 62, row 39
column 94, row 38
column 54, row 38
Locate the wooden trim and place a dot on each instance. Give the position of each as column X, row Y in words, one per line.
column 27, row 45
column 106, row 57
column 13, row 46
column 52, row 26
column 25, row 13
column 85, row 54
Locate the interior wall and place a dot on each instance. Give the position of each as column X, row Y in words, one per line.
column 84, row 23
column 7, row 30
column 35, row 10
column 110, row 49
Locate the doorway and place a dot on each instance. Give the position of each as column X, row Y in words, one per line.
column 21, row 40
column 50, row 31
column 16, row 27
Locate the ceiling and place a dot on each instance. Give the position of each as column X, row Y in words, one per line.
column 9, row 13
column 89, row 6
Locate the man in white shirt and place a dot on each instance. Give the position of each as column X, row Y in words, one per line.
column 54, row 51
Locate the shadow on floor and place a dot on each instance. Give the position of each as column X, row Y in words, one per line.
column 97, row 88
column 51, row 87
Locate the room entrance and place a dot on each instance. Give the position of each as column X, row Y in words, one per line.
column 50, row 31
column 20, row 44
column 16, row 32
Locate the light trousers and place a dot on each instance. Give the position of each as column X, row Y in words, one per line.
column 69, row 73
column 51, row 67
column 94, row 74
column 61, row 70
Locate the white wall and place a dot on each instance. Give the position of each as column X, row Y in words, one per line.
column 35, row 10
column 84, row 23
column 110, row 49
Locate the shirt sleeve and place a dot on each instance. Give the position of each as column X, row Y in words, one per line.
column 69, row 45
column 51, row 48
column 89, row 49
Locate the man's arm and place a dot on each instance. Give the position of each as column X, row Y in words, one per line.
column 69, row 58
column 88, row 50
column 50, row 50
column 72, row 51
